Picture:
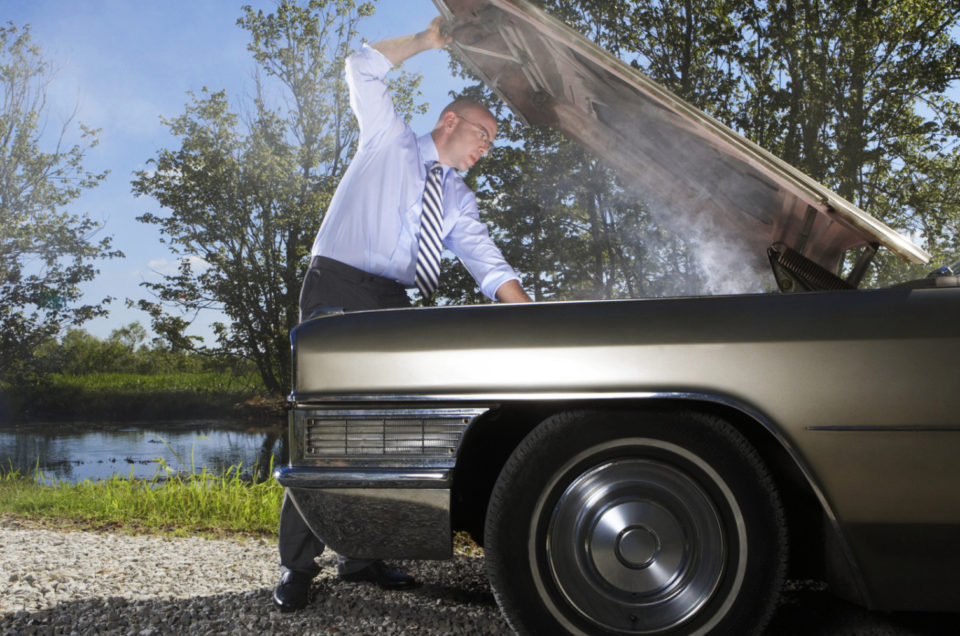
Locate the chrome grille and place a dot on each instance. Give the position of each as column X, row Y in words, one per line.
column 383, row 436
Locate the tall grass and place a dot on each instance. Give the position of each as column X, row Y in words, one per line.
column 183, row 504
column 133, row 396
column 173, row 502
column 206, row 381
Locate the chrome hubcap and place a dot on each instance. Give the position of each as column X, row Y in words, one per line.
column 636, row 546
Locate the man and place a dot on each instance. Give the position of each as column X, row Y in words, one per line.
column 400, row 198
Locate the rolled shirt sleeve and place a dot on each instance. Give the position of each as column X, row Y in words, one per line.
column 470, row 241
column 369, row 97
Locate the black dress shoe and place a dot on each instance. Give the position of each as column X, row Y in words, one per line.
column 387, row 578
column 292, row 592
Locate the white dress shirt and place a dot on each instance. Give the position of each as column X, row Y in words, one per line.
column 373, row 220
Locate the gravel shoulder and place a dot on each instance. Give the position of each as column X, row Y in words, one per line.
column 79, row 582
column 92, row 582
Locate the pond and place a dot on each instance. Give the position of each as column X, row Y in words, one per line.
column 73, row 452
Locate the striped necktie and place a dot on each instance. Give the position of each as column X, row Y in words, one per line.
column 431, row 220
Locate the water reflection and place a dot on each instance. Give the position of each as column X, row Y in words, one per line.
column 74, row 452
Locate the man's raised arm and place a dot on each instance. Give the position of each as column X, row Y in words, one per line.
column 400, row 48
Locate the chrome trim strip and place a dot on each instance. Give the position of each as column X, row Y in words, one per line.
column 350, row 413
column 318, row 477
column 903, row 428
column 469, row 397
column 374, row 463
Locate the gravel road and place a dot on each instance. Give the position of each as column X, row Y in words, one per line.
column 78, row 582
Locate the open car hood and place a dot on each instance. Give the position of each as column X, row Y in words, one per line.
column 672, row 155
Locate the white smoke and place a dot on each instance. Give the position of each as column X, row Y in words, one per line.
column 727, row 264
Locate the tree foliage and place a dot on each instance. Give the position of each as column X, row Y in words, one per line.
column 46, row 250
column 853, row 92
column 243, row 196
column 126, row 350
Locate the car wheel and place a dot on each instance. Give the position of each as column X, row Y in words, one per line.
column 635, row 523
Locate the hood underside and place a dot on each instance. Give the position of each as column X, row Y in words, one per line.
column 675, row 158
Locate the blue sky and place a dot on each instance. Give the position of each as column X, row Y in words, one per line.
column 122, row 64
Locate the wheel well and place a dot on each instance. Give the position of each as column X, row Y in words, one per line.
column 490, row 440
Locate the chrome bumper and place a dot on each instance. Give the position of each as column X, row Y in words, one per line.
column 375, row 514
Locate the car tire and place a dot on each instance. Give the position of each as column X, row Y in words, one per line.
column 662, row 522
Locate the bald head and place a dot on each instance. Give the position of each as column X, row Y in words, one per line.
column 465, row 108
column 464, row 133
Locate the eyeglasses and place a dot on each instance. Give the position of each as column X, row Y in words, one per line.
column 481, row 132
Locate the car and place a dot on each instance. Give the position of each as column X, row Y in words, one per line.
column 650, row 466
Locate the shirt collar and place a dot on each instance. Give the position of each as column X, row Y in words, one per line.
column 428, row 152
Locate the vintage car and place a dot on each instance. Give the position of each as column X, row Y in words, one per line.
column 651, row 466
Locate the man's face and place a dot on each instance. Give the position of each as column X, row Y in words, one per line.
column 471, row 136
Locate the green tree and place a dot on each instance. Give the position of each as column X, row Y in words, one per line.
column 853, row 92
column 46, row 251
column 79, row 352
column 245, row 195
column 125, row 350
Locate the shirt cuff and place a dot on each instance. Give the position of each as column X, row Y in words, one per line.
column 377, row 63
column 493, row 281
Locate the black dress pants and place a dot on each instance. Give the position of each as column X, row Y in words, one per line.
column 330, row 284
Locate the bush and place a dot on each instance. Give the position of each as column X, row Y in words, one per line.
column 123, row 378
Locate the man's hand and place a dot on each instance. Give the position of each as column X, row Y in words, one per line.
column 400, row 48
column 436, row 35
column 512, row 292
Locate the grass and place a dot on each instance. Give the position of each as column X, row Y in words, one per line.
column 200, row 504
column 173, row 502
column 208, row 382
column 132, row 396
column 195, row 504
column 179, row 503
